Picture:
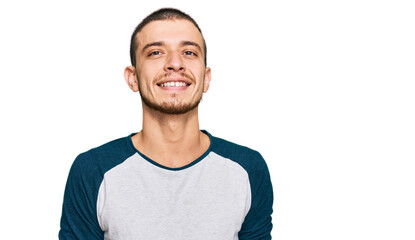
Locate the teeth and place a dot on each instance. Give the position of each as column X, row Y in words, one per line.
column 173, row 84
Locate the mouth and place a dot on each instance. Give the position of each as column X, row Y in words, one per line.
column 174, row 84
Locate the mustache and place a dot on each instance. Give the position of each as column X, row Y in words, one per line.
column 175, row 75
column 168, row 75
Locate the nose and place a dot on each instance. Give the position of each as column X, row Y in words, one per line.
column 174, row 63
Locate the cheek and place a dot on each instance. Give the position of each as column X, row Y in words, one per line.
column 146, row 74
column 197, row 69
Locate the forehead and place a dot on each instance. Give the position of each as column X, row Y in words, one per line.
column 169, row 31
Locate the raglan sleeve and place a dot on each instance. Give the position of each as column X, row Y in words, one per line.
column 79, row 216
column 258, row 223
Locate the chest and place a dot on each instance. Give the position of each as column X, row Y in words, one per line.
column 199, row 204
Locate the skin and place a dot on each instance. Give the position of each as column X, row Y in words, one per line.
column 170, row 50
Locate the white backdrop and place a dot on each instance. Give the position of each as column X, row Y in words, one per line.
column 323, row 89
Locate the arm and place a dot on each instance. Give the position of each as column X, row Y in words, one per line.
column 79, row 215
column 257, row 224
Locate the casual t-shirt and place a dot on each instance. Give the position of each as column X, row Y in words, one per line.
column 115, row 192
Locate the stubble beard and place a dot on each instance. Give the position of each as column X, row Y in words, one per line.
column 172, row 107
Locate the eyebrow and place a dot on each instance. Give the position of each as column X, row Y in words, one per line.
column 151, row 45
column 190, row 43
column 161, row 43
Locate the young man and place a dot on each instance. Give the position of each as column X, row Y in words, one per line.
column 170, row 180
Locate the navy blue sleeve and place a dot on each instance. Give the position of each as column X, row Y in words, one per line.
column 79, row 214
column 257, row 224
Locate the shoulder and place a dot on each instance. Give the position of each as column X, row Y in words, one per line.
column 257, row 222
column 102, row 158
column 251, row 160
column 79, row 212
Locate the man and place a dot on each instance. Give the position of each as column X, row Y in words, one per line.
column 170, row 180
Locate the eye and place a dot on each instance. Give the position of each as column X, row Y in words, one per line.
column 154, row 53
column 190, row 53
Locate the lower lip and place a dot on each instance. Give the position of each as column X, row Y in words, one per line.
column 171, row 88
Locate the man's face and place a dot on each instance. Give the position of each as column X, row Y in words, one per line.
column 170, row 66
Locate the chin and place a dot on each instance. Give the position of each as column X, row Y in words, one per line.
column 173, row 107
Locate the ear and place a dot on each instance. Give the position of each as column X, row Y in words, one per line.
column 131, row 78
column 207, row 80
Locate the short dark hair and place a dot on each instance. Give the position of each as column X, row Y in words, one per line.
column 161, row 14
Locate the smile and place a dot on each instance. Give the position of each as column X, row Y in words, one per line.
column 174, row 84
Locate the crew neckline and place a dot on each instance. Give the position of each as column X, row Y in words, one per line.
column 200, row 158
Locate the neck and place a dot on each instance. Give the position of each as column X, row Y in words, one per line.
column 171, row 140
